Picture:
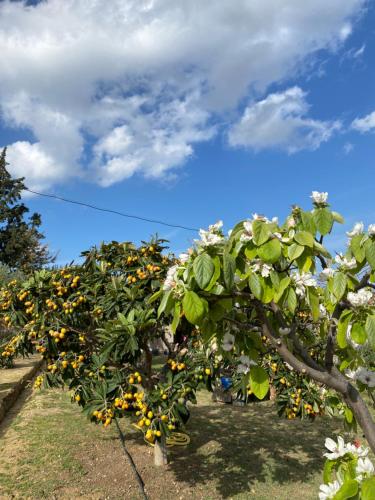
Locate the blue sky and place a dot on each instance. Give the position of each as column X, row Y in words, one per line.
column 152, row 113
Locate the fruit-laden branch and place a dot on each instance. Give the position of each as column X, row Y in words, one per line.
column 334, row 379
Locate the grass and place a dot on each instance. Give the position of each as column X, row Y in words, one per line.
column 49, row 450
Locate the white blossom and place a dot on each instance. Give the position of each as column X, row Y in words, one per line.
column 359, row 451
column 344, row 262
column 336, row 450
column 228, row 342
column 208, row 238
column 261, row 267
column 170, row 280
column 371, row 230
column 358, row 228
column 245, row 363
column 364, row 468
column 275, row 220
column 284, row 331
column 360, row 298
column 279, row 236
column 290, row 367
column 328, row 491
column 215, row 227
column 183, row 257
column 365, row 376
column 302, row 281
column 326, row 273
column 319, row 198
column 247, row 234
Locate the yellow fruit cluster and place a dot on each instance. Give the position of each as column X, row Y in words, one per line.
column 173, row 365
column 9, row 349
column 22, row 296
column 51, row 304
column 58, row 335
column 38, row 382
column 135, row 377
column 105, row 416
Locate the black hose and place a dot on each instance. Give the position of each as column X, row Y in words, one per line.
column 140, row 482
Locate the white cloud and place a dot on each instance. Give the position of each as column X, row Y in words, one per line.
column 279, row 121
column 83, row 76
column 365, row 124
column 348, row 147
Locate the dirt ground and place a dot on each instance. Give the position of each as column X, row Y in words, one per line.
column 48, row 449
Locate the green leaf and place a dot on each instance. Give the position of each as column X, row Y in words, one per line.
column 358, row 333
column 255, row 285
column 164, row 302
column 294, row 251
column 339, row 283
column 284, row 283
column 323, row 219
column 368, row 489
column 204, row 269
column 348, row 415
column 268, row 291
column 176, row 317
column 259, row 381
column 338, row 217
column 327, row 472
column 304, row 238
column 370, row 252
column 348, row 490
column 194, row 307
column 308, row 223
column 357, row 248
column 321, row 250
column 292, row 300
column 342, row 328
column 229, row 268
column 215, row 276
column 370, row 330
column 270, row 252
column 314, row 303
column 261, row 232
column 155, row 296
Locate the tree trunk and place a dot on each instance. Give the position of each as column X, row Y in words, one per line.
column 160, row 452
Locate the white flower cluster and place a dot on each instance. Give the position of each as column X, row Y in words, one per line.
column 326, row 273
column 360, row 298
column 363, row 375
column 302, row 281
column 364, row 467
column 260, row 267
column 213, row 236
column 170, row 280
column 371, row 230
column 345, row 263
column 228, row 342
column 247, row 234
column 358, row 228
column 319, row 198
column 244, row 365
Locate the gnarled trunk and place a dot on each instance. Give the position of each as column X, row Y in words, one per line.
column 160, row 452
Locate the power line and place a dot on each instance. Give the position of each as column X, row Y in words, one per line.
column 122, row 214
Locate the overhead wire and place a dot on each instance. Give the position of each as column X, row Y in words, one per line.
column 115, row 212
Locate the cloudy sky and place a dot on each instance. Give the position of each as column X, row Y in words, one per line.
column 187, row 111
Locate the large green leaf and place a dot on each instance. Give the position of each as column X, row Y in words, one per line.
column 270, row 252
column 314, row 303
column 358, row 333
column 229, row 268
column 261, row 232
column 357, row 248
column 259, row 381
column 216, row 274
column 348, row 490
column 338, row 217
column 292, row 300
column 323, row 219
column 204, row 269
column 194, row 307
column 370, row 330
column 368, row 489
column 370, row 252
column 339, row 283
column 255, row 286
column 284, row 283
column 295, row 251
column 342, row 328
column 304, row 238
